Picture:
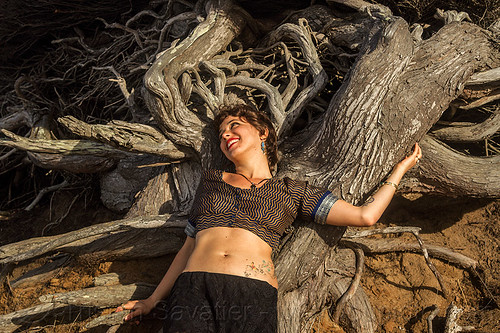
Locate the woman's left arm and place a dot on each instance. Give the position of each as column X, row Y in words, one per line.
column 345, row 214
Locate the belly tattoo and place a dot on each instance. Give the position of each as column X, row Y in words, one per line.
column 265, row 268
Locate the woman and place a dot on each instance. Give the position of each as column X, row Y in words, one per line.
column 222, row 279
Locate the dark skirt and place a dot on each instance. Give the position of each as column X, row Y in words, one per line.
column 212, row 302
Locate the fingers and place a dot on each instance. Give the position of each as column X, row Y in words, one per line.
column 132, row 314
column 417, row 152
column 135, row 310
column 412, row 159
column 129, row 305
column 126, row 306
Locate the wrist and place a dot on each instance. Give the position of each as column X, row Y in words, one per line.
column 395, row 185
column 152, row 301
column 399, row 171
column 395, row 176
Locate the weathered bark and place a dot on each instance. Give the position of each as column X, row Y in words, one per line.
column 298, row 311
column 41, row 274
column 494, row 96
column 484, row 80
column 136, row 138
column 130, row 238
column 109, row 279
column 171, row 190
column 121, row 185
column 16, row 120
column 451, row 324
column 472, row 133
column 38, row 314
column 222, row 24
column 156, row 196
column 113, row 319
column 78, row 156
column 347, row 295
column 448, row 171
column 101, row 296
column 394, row 93
column 363, row 6
column 84, row 156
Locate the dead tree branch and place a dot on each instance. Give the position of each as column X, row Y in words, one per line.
column 129, row 96
column 471, row 133
column 449, row 171
column 341, row 303
column 102, row 296
column 430, row 264
column 450, row 16
column 489, row 78
column 163, row 96
column 42, row 274
column 5, row 156
column 35, row 314
column 430, row 318
column 112, row 319
column 375, row 246
column 35, row 247
column 302, row 36
column 451, row 325
column 63, row 147
column 16, row 120
column 493, row 96
column 396, row 230
column 133, row 137
column 45, row 191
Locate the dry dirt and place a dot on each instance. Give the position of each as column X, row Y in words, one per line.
column 401, row 287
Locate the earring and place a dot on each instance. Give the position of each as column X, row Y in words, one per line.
column 263, row 147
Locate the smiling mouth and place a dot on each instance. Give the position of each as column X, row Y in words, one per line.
column 231, row 142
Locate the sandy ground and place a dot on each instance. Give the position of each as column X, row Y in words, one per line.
column 401, row 287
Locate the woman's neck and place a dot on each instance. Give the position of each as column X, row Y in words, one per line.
column 254, row 170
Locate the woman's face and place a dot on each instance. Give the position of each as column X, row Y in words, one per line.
column 239, row 139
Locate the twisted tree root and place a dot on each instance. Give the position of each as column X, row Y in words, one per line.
column 341, row 303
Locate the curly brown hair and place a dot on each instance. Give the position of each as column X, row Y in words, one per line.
column 257, row 119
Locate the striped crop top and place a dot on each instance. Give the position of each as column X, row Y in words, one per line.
column 266, row 211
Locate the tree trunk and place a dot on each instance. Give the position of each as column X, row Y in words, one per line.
column 393, row 95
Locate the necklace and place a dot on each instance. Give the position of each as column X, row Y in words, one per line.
column 254, row 185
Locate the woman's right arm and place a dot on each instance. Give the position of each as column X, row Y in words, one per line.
column 144, row 306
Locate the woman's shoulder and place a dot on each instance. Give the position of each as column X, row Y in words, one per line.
column 292, row 186
column 292, row 183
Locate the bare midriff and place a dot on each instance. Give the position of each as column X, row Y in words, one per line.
column 232, row 251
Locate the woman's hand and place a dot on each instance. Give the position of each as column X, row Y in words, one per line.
column 410, row 161
column 138, row 308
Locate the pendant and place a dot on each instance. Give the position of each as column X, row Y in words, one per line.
column 253, row 186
